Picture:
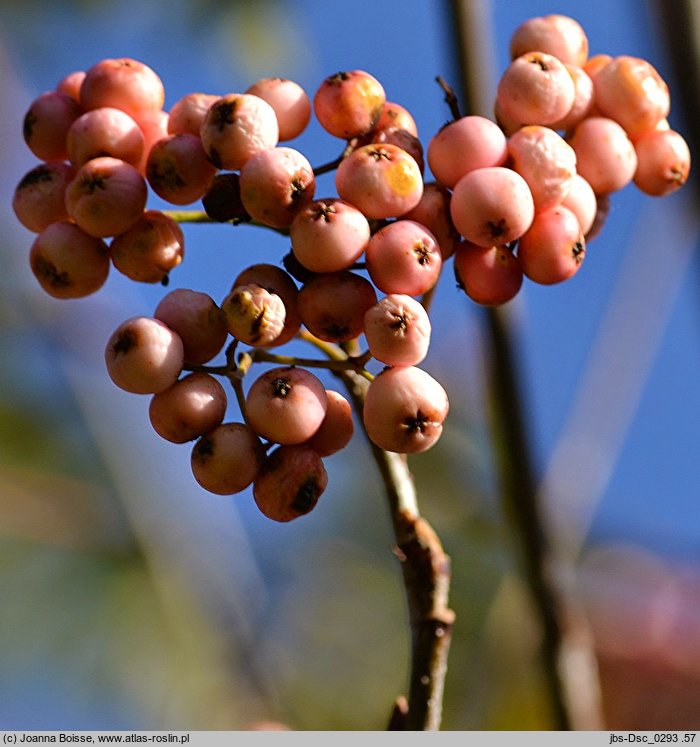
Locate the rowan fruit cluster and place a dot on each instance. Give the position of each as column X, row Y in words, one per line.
column 508, row 198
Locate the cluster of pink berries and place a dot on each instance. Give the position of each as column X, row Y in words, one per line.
column 569, row 131
column 510, row 198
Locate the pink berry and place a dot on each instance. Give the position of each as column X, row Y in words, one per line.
column 336, row 429
column 46, row 124
column 553, row 248
column 332, row 305
column 150, row 249
column 254, row 315
column 396, row 115
column 397, row 330
column 404, row 410
column 144, row 356
column 197, row 320
column 290, row 102
column 105, row 132
column 178, row 169
column 192, row 406
column 631, row 91
column 71, row 83
column 187, row 113
column 465, row 144
column 556, row 34
column 154, row 125
column 383, row 181
column 545, row 160
column 489, row 275
column 122, row 83
column 663, row 162
column 403, row 257
column 536, row 88
column 348, row 104
column 276, row 184
column 582, row 201
column 605, row 156
column 286, row 405
column 227, row 459
column 106, row 197
column 329, row 235
column 67, row 262
column 236, row 127
column 583, row 99
column 492, row 206
column 290, row 482
column 400, row 138
column 39, row 198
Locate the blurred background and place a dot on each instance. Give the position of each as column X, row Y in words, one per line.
column 132, row 599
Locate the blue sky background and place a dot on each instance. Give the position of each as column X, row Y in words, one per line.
column 608, row 360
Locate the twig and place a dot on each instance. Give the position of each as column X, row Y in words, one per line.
column 573, row 687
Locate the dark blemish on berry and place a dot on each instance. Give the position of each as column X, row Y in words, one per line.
column 323, row 211
column 496, row 230
column 306, row 497
column 126, row 340
column 223, row 114
column 204, row 448
column 416, row 424
column 30, row 120
column 540, row 62
column 422, row 252
column 90, row 184
column 400, row 322
column 47, row 270
column 578, row 251
column 337, row 78
column 38, row 175
column 378, row 154
column 281, row 387
column 165, row 176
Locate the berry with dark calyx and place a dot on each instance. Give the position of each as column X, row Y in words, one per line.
column 39, row 199
column 492, row 206
column 227, row 459
column 178, row 169
column 329, row 235
column 144, row 356
column 663, row 162
column 67, row 262
column 536, row 88
column 397, row 330
column 553, row 248
column 348, row 104
column 286, row 405
column 275, row 185
column 404, row 410
column 106, row 197
column 383, row 181
column 46, row 124
column 403, row 257
column 123, row 83
column 237, row 126
column 290, row 482
column 192, row 406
